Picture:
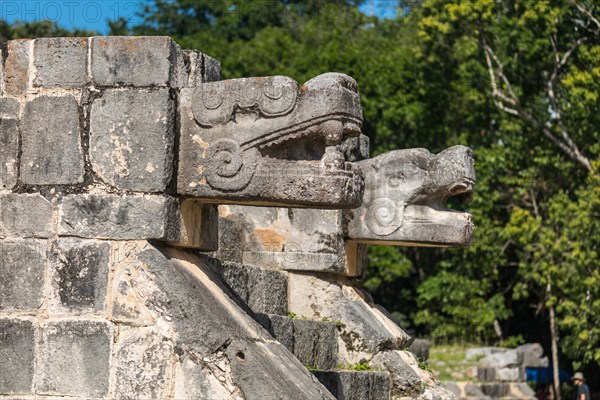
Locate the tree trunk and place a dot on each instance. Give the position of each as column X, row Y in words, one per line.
column 554, row 338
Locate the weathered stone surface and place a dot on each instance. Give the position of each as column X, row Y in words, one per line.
column 506, row 358
column 316, row 343
column 25, row 215
column 405, row 381
column 212, row 69
column 193, row 302
column 16, row 68
column 420, row 348
column 282, row 329
column 356, row 385
column 116, row 217
column 9, row 152
column 533, row 355
column 367, row 327
column 22, row 272
column 52, row 151
column 196, row 227
column 405, row 195
column 262, row 290
column 2, row 78
column 293, row 239
column 135, row 61
column 232, row 134
column 132, row 139
column 17, row 345
column 481, row 352
column 500, row 374
column 259, row 380
column 74, row 358
column 141, row 364
column 9, row 108
column 195, row 380
column 79, row 276
column 60, row 62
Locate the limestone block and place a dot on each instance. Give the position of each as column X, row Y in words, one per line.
column 262, row 290
column 141, row 364
column 481, row 352
column 405, row 380
column 195, row 380
column 115, row 217
column 316, row 343
column 26, row 216
column 17, row 346
column 533, row 355
column 253, row 376
column 79, row 276
column 367, row 327
column 132, row 61
column 196, row 226
column 132, row 139
column 16, row 67
column 9, row 107
column 212, row 69
column 52, row 151
column 282, row 329
column 270, row 141
column 292, row 239
column 60, row 62
column 506, row 358
column 9, row 152
column 74, row 358
column 405, row 195
column 356, row 385
column 22, row 272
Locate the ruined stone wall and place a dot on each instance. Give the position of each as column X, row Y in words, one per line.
column 112, row 164
column 95, row 302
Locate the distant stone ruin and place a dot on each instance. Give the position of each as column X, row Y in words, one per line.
column 144, row 251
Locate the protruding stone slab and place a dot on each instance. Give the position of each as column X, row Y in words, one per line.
column 22, row 273
column 292, row 239
column 132, row 61
column 356, row 385
column 74, row 358
column 405, row 198
column 132, row 139
column 79, row 276
column 115, row 217
column 16, row 67
column 60, row 62
column 270, row 141
column 25, row 216
column 52, row 153
column 17, row 347
column 9, row 152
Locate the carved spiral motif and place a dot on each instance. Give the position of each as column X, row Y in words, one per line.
column 384, row 217
column 225, row 166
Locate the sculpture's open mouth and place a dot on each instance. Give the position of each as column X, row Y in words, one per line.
column 270, row 141
column 417, row 198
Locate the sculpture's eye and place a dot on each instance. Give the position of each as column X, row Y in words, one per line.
column 394, row 181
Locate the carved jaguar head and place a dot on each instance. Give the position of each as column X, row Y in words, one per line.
column 270, row 141
column 406, row 197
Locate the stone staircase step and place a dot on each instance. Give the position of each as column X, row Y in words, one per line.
column 356, row 385
column 314, row 343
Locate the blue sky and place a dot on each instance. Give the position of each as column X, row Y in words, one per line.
column 93, row 14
